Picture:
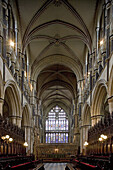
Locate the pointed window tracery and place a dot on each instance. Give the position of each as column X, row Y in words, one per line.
column 57, row 126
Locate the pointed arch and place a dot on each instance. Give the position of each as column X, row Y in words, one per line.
column 26, row 117
column 14, row 97
column 99, row 96
column 86, row 115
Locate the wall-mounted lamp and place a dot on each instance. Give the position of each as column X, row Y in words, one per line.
column 102, row 137
column 86, row 143
column 7, row 138
column 12, row 43
column 25, row 144
column 31, row 87
column 10, row 139
column 101, row 42
column 56, row 150
column 25, row 74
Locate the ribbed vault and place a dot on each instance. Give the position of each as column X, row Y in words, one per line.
column 56, row 34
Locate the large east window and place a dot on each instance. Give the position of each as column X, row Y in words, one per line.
column 57, row 126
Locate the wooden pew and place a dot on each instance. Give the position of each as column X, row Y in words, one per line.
column 29, row 165
column 105, row 162
column 85, row 166
column 69, row 167
column 14, row 160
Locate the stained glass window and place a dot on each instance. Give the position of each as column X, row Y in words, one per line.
column 57, row 126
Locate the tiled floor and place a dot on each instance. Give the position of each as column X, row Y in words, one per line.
column 55, row 166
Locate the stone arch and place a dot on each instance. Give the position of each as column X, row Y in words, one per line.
column 86, row 123
column 12, row 101
column 99, row 98
column 26, row 125
column 86, row 116
column 26, row 115
column 57, row 59
column 61, row 83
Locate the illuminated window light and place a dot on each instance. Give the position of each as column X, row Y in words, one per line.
column 11, row 43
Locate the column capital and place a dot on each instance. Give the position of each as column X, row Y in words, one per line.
column 15, row 116
column 110, row 100
column 27, row 126
column 97, row 28
column 1, row 100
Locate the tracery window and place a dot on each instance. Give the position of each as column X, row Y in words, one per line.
column 57, row 126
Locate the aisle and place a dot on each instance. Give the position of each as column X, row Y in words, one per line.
column 55, row 166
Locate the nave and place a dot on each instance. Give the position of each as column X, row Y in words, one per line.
column 55, row 166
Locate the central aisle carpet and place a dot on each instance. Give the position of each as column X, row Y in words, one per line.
column 55, row 166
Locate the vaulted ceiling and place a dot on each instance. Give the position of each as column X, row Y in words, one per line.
column 56, row 34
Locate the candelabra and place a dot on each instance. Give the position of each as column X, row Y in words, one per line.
column 7, row 139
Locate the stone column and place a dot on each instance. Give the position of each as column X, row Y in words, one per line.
column 22, row 74
column 12, row 67
column 33, row 91
column 17, row 72
column 111, row 28
column 97, row 40
column 8, row 59
column 81, row 136
column 18, row 120
column 107, row 36
column 100, row 63
column 29, row 138
column 96, row 72
column 4, row 25
column 13, row 119
column 32, row 140
column 16, row 40
column 80, row 99
column 1, row 106
column 110, row 101
column 76, row 129
column 92, row 121
column 83, row 139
